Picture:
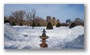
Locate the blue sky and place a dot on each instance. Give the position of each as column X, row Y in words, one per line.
column 60, row 11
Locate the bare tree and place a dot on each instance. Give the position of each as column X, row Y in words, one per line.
column 19, row 14
column 33, row 13
column 28, row 15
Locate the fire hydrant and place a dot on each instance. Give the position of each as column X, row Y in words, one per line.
column 43, row 37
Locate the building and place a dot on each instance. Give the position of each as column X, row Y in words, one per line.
column 53, row 21
column 57, row 21
column 48, row 19
column 78, row 21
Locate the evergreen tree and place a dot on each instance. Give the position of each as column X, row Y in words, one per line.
column 72, row 25
column 58, row 25
column 49, row 26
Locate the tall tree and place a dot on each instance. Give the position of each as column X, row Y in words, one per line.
column 29, row 15
column 33, row 13
column 19, row 14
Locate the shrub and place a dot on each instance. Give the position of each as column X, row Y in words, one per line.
column 33, row 25
column 49, row 26
column 72, row 25
column 64, row 24
column 38, row 24
column 58, row 25
column 20, row 24
column 13, row 24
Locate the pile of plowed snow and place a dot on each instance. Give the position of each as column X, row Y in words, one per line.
column 11, row 33
column 62, row 35
column 58, row 37
column 77, row 43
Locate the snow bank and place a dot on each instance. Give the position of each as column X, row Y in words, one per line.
column 78, row 43
column 58, row 37
column 62, row 35
column 66, row 33
column 11, row 33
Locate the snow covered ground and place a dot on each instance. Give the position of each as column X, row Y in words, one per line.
column 59, row 38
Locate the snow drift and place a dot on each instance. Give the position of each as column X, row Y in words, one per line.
column 78, row 43
column 59, row 38
column 10, row 32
